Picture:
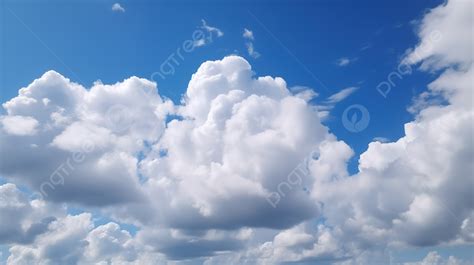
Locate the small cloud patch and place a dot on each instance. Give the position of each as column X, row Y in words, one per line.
column 117, row 8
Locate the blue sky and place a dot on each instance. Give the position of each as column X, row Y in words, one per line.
column 326, row 46
column 300, row 41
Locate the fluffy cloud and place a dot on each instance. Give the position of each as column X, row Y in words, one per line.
column 19, row 125
column 109, row 243
column 418, row 190
column 73, row 240
column 180, row 244
column 117, row 8
column 433, row 258
column 42, row 233
column 85, row 142
column 22, row 219
column 196, row 169
column 445, row 36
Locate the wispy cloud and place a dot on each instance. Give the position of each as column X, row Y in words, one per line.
column 324, row 107
column 381, row 139
column 251, row 50
column 398, row 25
column 209, row 37
column 345, row 61
column 366, row 47
column 117, row 8
column 304, row 92
column 211, row 29
column 199, row 43
column 341, row 95
column 248, row 35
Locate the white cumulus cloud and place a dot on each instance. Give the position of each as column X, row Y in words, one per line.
column 116, row 7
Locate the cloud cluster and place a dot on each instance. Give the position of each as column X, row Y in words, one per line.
column 22, row 219
column 418, row 190
column 71, row 144
column 433, row 258
column 246, row 174
column 239, row 138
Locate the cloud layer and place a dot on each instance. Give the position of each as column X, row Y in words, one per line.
column 247, row 173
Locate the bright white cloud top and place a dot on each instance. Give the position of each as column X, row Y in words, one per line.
column 118, row 8
column 242, row 175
